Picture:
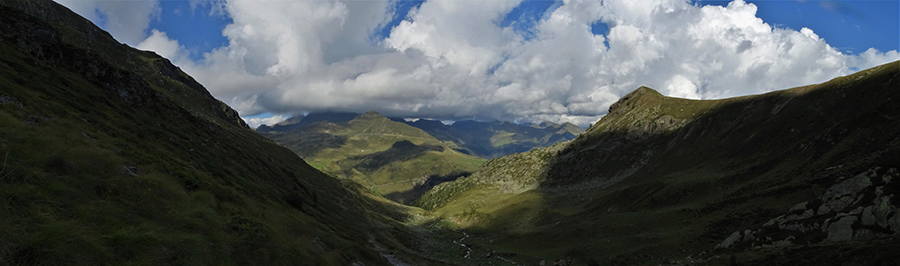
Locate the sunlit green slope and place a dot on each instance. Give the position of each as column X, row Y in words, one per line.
column 388, row 157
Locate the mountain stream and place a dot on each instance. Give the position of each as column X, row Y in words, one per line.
column 459, row 242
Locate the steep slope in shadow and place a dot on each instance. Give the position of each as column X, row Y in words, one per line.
column 112, row 155
column 661, row 178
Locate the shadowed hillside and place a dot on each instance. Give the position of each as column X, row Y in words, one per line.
column 114, row 156
column 662, row 179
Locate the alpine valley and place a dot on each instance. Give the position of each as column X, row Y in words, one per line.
column 402, row 160
column 110, row 155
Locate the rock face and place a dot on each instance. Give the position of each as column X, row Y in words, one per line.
column 859, row 208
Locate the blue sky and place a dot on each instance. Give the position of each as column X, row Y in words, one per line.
column 851, row 26
column 511, row 60
column 197, row 28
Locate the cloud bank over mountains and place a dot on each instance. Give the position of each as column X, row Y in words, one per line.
column 453, row 59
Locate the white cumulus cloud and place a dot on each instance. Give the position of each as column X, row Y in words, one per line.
column 453, row 60
column 160, row 43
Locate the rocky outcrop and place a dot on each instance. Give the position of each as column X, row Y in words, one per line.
column 615, row 110
column 863, row 207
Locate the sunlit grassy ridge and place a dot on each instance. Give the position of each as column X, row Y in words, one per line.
column 388, row 157
column 660, row 178
column 110, row 155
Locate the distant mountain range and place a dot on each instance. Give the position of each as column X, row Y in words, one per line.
column 296, row 122
column 498, row 138
column 477, row 138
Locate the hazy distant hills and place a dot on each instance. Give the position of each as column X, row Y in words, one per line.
column 477, row 138
column 388, row 157
column 802, row 176
column 498, row 138
column 114, row 156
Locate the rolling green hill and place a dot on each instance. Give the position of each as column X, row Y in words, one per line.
column 113, row 156
column 402, row 160
column 800, row 176
column 390, row 158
